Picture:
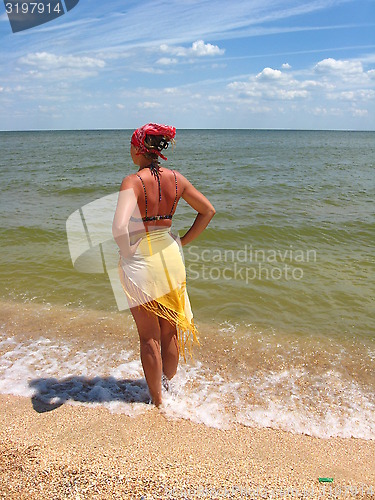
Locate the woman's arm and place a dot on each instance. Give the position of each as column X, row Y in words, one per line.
column 126, row 203
column 201, row 204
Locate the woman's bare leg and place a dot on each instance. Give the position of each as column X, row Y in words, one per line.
column 149, row 335
column 169, row 348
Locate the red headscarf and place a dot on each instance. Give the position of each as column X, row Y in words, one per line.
column 139, row 136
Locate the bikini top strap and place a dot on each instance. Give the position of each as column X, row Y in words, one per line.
column 175, row 199
column 144, row 190
column 155, row 172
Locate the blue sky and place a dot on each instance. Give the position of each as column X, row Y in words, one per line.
column 193, row 64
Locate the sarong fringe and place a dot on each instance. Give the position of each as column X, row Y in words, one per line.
column 187, row 333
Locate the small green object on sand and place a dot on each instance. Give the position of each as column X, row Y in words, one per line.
column 325, row 479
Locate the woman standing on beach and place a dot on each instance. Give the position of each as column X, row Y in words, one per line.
column 151, row 265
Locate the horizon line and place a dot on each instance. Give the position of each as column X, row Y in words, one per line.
column 191, row 128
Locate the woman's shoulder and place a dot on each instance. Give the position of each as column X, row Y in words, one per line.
column 181, row 180
column 129, row 181
column 179, row 176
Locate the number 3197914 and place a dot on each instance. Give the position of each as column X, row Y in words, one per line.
column 32, row 8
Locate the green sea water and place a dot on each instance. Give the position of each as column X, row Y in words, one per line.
column 291, row 246
column 287, row 263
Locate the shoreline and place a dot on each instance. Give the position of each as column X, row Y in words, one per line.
column 77, row 451
column 235, row 377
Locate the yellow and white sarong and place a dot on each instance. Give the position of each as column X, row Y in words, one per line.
column 155, row 278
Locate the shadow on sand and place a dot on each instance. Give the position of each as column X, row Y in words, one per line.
column 51, row 393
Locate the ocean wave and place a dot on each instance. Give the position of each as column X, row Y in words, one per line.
column 245, row 377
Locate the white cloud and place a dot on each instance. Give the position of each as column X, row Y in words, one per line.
column 151, row 71
column 341, row 70
column 167, row 61
column 360, row 112
column 182, row 22
column 198, row 49
column 272, row 94
column 201, row 49
column 333, row 66
column 325, row 111
column 286, row 95
column 49, row 66
column 48, row 61
column 149, row 105
column 270, row 84
column 269, row 74
column 216, row 98
column 353, row 95
column 346, row 96
column 185, row 28
column 246, row 89
column 175, row 51
column 171, row 90
column 330, row 79
column 47, row 109
column 314, row 84
column 318, row 111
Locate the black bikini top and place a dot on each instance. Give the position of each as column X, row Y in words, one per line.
column 155, row 172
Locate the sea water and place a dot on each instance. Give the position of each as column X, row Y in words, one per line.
column 281, row 283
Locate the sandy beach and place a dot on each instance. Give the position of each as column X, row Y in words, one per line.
column 76, row 451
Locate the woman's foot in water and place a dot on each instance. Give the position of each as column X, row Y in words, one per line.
column 165, row 382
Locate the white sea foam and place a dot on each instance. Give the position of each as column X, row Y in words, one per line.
column 198, row 396
column 321, row 405
column 53, row 372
